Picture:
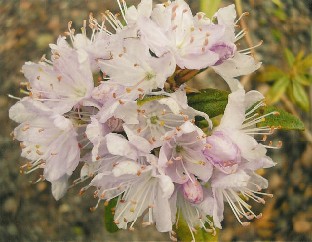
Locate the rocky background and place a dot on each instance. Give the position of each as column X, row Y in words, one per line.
column 28, row 211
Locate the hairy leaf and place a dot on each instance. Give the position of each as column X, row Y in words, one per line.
column 109, row 216
column 282, row 119
column 209, row 101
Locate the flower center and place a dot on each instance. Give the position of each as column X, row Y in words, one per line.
column 154, row 119
column 179, row 148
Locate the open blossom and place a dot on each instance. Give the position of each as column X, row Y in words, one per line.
column 181, row 155
column 62, row 83
column 115, row 102
column 196, row 215
column 153, row 119
column 48, row 140
column 236, row 154
column 141, row 71
column 139, row 187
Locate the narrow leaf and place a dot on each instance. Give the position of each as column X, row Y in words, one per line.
column 277, row 90
column 305, row 80
column 209, row 101
column 109, row 216
column 282, row 120
column 300, row 96
column 289, row 57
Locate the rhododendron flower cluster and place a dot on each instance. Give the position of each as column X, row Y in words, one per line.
column 113, row 106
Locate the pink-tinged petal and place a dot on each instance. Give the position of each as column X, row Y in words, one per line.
column 59, row 187
column 118, row 145
column 226, row 15
column 261, row 182
column 139, row 142
column 251, row 98
column 162, row 212
column 166, row 185
column 127, row 112
column 64, row 157
column 200, row 167
column 193, row 191
column 126, row 168
column 218, row 207
column 235, row 180
column 234, row 113
column 198, row 60
column 207, row 204
column 239, row 65
column 263, row 162
column 154, row 36
column 249, row 147
column 145, row 8
column 96, row 130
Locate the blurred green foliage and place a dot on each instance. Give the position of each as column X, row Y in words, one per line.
column 209, row 7
column 291, row 80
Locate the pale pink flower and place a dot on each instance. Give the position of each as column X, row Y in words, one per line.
column 140, row 70
column 181, row 155
column 63, row 83
column 48, row 140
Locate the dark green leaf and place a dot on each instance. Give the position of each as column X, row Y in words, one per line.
column 109, row 216
column 282, row 119
column 209, row 101
column 277, row 90
column 300, row 96
column 184, row 234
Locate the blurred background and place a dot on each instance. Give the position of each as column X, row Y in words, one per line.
column 28, row 212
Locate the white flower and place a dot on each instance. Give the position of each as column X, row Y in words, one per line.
column 140, row 70
column 138, row 189
column 63, row 83
column 48, row 140
column 181, row 155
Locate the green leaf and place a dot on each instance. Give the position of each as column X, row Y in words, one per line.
column 271, row 73
column 289, row 57
column 209, row 7
column 109, row 216
column 146, row 99
column 277, row 90
column 209, row 101
column 282, row 120
column 300, row 96
column 303, row 66
column 184, row 234
column 305, row 80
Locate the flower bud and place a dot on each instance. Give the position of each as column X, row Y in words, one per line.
column 115, row 124
column 222, row 152
column 193, row 191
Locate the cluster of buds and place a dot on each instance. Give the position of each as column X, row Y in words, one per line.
column 116, row 103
